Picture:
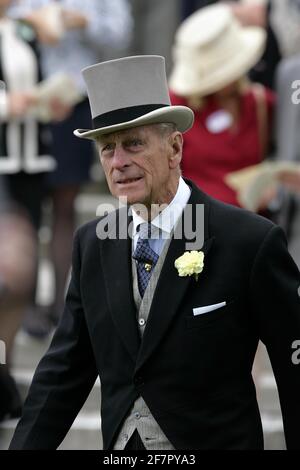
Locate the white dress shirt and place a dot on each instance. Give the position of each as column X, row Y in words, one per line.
column 164, row 223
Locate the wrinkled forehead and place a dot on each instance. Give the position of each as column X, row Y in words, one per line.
column 140, row 131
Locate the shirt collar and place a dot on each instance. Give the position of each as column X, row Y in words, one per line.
column 167, row 219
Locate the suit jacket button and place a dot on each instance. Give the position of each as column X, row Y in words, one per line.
column 138, row 380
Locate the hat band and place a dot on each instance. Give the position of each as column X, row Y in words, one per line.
column 122, row 115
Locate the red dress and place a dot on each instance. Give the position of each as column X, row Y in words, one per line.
column 208, row 157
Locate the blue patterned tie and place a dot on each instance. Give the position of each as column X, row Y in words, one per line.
column 146, row 258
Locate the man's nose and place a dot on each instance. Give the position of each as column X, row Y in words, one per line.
column 121, row 159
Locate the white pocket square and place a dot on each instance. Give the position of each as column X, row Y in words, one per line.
column 207, row 308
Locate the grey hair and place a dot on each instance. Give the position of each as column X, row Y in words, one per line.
column 165, row 128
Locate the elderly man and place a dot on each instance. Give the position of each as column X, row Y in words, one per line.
column 172, row 332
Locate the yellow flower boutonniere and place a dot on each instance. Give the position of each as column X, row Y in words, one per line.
column 191, row 262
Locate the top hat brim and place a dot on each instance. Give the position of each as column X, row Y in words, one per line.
column 181, row 116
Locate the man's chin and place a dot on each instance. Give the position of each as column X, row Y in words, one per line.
column 132, row 197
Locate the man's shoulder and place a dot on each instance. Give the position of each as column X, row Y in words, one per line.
column 226, row 217
column 222, row 210
column 235, row 223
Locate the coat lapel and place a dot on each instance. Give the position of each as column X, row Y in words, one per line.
column 116, row 262
column 165, row 306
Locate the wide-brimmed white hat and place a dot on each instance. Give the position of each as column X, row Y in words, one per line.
column 212, row 50
column 130, row 92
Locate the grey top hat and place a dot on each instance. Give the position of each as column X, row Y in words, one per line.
column 130, row 92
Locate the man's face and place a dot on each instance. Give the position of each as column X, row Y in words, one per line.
column 141, row 164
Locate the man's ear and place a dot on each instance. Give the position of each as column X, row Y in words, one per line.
column 176, row 143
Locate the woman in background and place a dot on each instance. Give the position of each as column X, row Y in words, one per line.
column 233, row 117
column 24, row 151
column 24, row 142
column 24, row 162
column 79, row 34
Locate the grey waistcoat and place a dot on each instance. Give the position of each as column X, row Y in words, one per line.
column 139, row 416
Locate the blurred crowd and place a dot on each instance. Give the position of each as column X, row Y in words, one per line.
column 233, row 63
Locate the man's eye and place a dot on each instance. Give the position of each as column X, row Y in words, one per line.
column 107, row 148
column 135, row 143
